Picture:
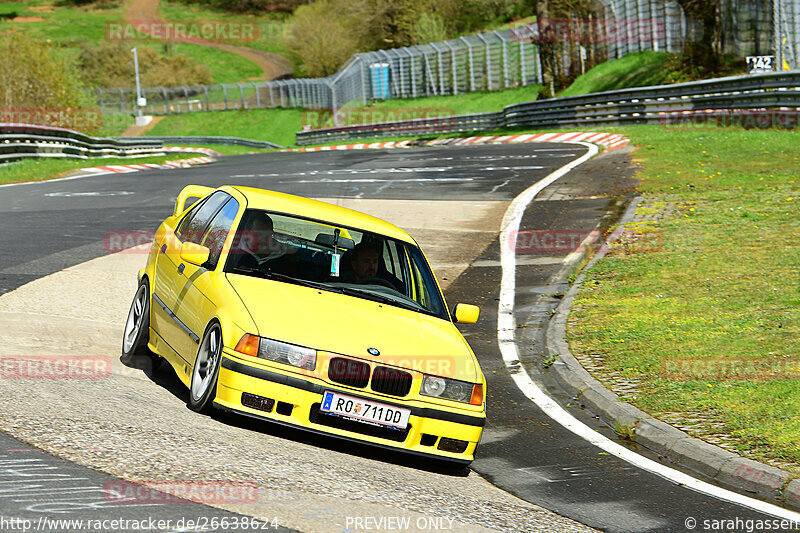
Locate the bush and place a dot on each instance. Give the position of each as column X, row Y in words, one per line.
column 111, row 65
column 317, row 40
column 33, row 76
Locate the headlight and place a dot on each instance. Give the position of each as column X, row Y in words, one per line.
column 280, row 352
column 452, row 389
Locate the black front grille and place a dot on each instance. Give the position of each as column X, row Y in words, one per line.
column 391, row 381
column 349, row 372
column 381, row 432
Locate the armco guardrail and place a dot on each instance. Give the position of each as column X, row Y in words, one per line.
column 20, row 141
column 726, row 99
column 226, row 141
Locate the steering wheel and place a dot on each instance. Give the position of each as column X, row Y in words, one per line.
column 378, row 281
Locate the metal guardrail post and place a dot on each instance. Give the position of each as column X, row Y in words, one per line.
column 364, row 86
column 224, row 95
column 488, row 62
column 441, row 67
column 471, row 65
column 505, row 57
column 242, row 105
column 258, row 95
column 453, row 61
column 413, row 76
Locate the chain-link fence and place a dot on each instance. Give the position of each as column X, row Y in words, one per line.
column 484, row 62
column 762, row 27
column 491, row 61
column 638, row 25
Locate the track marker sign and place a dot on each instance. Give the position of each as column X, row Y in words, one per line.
column 757, row 64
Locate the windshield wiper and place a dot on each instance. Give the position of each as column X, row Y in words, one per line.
column 383, row 298
column 268, row 274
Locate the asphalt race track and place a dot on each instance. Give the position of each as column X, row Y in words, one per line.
column 62, row 291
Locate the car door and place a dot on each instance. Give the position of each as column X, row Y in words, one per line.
column 169, row 279
column 196, row 304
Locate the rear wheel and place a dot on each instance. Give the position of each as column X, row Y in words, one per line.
column 206, row 370
column 135, row 352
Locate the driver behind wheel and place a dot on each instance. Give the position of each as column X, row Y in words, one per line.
column 364, row 262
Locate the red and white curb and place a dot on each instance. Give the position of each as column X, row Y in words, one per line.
column 209, row 157
column 609, row 141
column 192, row 150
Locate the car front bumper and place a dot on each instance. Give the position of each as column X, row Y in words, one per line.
column 432, row 431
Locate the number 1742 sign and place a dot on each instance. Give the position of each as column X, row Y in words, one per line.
column 760, row 63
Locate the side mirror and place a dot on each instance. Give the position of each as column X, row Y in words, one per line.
column 189, row 196
column 194, row 253
column 466, row 313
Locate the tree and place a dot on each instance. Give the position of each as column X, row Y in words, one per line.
column 700, row 53
column 318, row 40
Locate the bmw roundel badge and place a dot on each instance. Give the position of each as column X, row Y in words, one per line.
column 373, row 351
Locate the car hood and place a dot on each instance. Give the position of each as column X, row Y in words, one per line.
column 342, row 324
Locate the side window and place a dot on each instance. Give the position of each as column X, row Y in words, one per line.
column 218, row 230
column 392, row 259
column 426, row 293
column 191, row 227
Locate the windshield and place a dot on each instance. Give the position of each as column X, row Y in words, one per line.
column 335, row 258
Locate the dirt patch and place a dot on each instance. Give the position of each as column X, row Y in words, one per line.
column 27, row 19
column 42, row 9
column 134, row 130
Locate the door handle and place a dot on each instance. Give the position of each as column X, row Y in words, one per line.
column 181, row 268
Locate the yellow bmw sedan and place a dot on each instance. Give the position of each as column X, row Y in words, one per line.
column 309, row 314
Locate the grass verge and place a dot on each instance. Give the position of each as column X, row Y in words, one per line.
column 46, row 169
column 280, row 125
column 707, row 324
column 275, row 125
column 634, row 70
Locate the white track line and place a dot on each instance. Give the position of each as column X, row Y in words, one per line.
column 506, row 326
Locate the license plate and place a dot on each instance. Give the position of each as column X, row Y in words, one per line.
column 365, row 410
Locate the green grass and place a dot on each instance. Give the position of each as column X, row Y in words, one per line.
column 476, row 102
column 266, row 38
column 224, row 66
column 63, row 26
column 275, row 125
column 70, row 27
column 634, row 70
column 721, row 289
column 44, row 169
column 280, row 125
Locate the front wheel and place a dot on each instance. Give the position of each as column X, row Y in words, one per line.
column 135, row 352
column 206, row 369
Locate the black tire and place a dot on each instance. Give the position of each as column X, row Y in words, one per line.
column 135, row 353
column 203, row 388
